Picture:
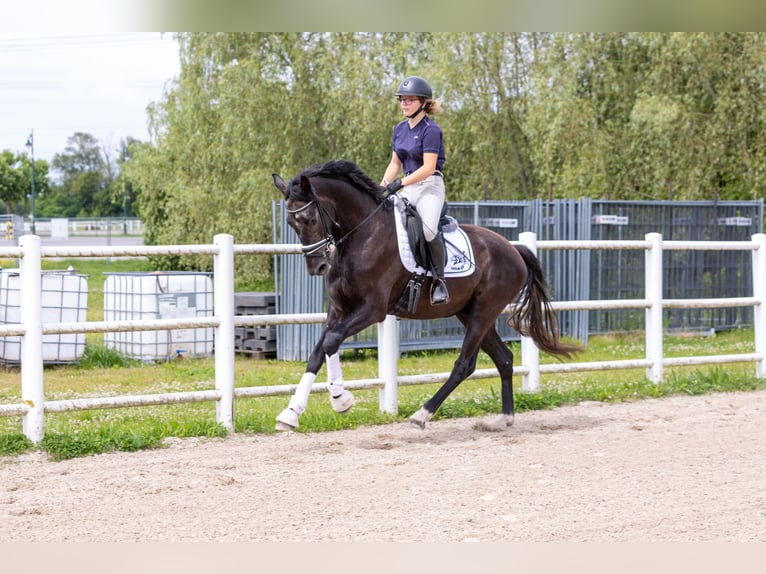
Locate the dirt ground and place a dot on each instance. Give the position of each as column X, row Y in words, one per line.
column 677, row 469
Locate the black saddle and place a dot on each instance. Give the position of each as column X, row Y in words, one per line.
column 414, row 225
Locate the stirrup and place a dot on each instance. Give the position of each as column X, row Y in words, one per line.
column 439, row 293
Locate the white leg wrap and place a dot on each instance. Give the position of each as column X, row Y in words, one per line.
column 300, row 398
column 334, row 372
column 334, row 375
column 340, row 399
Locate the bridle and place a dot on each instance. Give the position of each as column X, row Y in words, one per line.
column 323, row 247
column 329, row 238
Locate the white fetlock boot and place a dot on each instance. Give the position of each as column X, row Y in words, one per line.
column 340, row 399
column 287, row 420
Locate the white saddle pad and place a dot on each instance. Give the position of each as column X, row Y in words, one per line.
column 459, row 250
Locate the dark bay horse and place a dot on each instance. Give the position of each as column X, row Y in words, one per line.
column 346, row 226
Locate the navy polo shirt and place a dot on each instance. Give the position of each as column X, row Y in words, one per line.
column 410, row 144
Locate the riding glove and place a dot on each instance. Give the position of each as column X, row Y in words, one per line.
column 394, row 186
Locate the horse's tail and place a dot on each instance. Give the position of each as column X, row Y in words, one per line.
column 533, row 316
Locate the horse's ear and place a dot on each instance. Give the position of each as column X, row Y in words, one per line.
column 308, row 191
column 280, row 184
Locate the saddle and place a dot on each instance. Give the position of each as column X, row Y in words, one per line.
column 416, row 237
column 419, row 247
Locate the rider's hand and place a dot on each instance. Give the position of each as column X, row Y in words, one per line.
column 394, row 186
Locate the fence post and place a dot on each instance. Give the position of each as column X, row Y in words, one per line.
column 653, row 286
column 223, row 303
column 30, row 313
column 530, row 354
column 759, row 310
column 388, row 364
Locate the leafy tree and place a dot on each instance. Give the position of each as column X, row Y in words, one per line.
column 11, row 191
column 627, row 115
column 246, row 106
column 87, row 175
column 16, row 181
column 621, row 115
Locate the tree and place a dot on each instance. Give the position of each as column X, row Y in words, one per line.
column 619, row 115
column 87, row 176
column 16, row 181
column 11, row 191
column 624, row 115
column 246, row 106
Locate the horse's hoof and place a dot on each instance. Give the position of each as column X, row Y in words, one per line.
column 420, row 424
column 420, row 418
column 497, row 424
column 343, row 402
column 503, row 420
column 287, row 420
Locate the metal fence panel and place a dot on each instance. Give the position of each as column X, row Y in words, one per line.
column 687, row 274
column 572, row 275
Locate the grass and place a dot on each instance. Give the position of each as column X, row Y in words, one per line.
column 102, row 372
column 90, row 432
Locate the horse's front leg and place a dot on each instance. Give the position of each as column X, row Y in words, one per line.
column 287, row 420
column 341, row 399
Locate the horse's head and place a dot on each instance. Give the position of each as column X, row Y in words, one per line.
column 326, row 204
column 305, row 217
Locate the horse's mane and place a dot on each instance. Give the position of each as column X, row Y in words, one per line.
column 344, row 170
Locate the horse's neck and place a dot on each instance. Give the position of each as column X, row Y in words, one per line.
column 351, row 207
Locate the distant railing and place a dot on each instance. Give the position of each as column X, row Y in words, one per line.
column 74, row 226
column 34, row 406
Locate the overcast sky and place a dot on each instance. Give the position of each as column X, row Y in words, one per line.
column 59, row 83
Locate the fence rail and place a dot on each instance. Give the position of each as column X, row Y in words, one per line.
column 573, row 274
column 34, row 406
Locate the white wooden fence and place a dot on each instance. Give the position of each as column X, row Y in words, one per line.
column 34, row 406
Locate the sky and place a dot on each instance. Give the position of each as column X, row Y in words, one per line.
column 56, row 83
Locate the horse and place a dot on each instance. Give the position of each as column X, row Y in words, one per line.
column 345, row 223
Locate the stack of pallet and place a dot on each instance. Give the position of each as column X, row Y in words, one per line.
column 259, row 341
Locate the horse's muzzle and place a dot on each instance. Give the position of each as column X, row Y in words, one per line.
column 318, row 266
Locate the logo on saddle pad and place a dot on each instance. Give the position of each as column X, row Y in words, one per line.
column 457, row 246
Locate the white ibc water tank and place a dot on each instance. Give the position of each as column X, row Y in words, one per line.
column 64, row 300
column 159, row 295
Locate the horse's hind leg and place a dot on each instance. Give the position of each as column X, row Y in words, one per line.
column 502, row 356
column 461, row 371
column 465, row 364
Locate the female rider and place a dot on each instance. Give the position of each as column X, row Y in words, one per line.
column 418, row 155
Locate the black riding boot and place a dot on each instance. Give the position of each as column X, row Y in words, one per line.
column 439, row 288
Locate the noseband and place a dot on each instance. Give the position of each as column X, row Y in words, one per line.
column 329, row 241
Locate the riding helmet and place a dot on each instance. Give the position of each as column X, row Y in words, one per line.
column 414, row 86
